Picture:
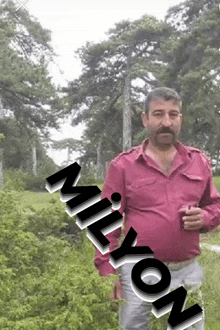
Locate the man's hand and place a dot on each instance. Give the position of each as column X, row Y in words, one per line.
column 193, row 218
column 116, row 294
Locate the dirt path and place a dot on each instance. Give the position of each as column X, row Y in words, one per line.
column 215, row 248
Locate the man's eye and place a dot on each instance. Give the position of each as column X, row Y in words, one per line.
column 174, row 115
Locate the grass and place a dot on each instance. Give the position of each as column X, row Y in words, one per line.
column 211, row 288
column 213, row 237
column 38, row 200
column 216, row 180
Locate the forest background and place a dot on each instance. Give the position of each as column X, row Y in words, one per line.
column 47, row 277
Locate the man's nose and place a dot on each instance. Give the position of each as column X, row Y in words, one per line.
column 166, row 120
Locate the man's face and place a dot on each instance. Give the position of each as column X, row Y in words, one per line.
column 163, row 123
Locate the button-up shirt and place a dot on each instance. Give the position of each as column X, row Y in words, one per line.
column 151, row 202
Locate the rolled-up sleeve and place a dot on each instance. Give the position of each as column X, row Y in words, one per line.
column 114, row 182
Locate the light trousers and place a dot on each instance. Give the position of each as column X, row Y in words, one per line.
column 135, row 313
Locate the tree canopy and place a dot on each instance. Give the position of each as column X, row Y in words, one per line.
column 192, row 54
column 26, row 89
column 114, row 79
column 31, row 104
column 181, row 52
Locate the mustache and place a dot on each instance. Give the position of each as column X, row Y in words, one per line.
column 165, row 130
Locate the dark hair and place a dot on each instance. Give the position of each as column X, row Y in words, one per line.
column 162, row 93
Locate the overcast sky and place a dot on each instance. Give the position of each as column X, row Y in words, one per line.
column 72, row 23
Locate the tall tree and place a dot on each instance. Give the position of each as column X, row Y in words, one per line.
column 69, row 144
column 192, row 67
column 107, row 95
column 26, row 90
column 25, row 85
column 1, row 151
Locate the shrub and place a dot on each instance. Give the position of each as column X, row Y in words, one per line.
column 35, row 183
column 46, row 283
column 15, row 180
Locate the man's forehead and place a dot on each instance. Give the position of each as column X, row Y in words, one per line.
column 159, row 104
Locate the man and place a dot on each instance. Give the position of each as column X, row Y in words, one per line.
column 168, row 197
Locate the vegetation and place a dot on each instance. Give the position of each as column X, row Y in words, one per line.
column 180, row 52
column 29, row 102
column 47, row 276
column 49, row 281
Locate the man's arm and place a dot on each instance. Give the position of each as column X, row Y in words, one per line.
column 206, row 216
column 114, row 182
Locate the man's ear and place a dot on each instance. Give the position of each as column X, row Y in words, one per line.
column 144, row 118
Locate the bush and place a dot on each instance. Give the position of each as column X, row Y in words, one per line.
column 35, row 183
column 18, row 180
column 15, row 180
column 46, row 283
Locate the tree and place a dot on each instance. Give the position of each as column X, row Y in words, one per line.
column 1, row 151
column 25, row 85
column 192, row 67
column 107, row 95
column 69, row 144
column 17, row 147
column 26, row 90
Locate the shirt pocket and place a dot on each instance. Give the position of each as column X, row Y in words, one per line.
column 192, row 187
column 144, row 193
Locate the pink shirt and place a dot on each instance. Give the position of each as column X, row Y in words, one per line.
column 151, row 202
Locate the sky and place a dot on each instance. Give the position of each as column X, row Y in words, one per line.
column 72, row 24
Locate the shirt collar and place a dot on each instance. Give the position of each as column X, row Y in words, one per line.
column 181, row 149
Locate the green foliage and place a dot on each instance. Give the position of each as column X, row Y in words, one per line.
column 19, row 181
column 18, row 146
column 97, row 97
column 193, row 297
column 216, row 180
column 25, row 86
column 46, row 283
column 14, row 180
column 35, row 183
column 181, row 52
column 191, row 66
column 29, row 102
column 49, row 282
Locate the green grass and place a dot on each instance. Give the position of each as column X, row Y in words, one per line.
column 216, row 180
column 213, row 238
column 38, row 200
column 211, row 288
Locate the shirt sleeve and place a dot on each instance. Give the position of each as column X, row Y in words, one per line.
column 114, row 182
column 210, row 204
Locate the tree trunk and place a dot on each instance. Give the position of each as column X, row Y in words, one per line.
column 217, row 160
column 127, row 107
column 99, row 165
column 1, row 151
column 34, row 160
column 68, row 156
